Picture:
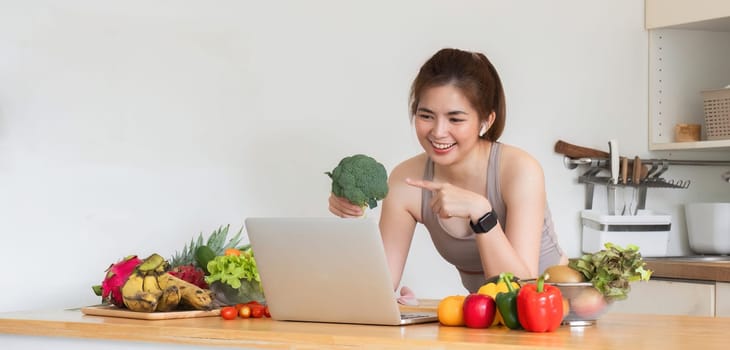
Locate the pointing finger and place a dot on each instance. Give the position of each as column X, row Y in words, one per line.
column 429, row 185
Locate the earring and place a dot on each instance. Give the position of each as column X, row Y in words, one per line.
column 483, row 130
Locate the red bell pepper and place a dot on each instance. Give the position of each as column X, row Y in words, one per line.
column 540, row 307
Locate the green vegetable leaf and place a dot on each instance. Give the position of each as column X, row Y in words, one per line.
column 612, row 269
column 217, row 239
column 231, row 269
column 216, row 242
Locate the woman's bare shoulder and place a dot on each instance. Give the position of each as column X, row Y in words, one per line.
column 410, row 168
column 403, row 198
column 515, row 159
column 519, row 171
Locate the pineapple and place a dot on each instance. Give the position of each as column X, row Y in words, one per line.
column 216, row 243
column 186, row 265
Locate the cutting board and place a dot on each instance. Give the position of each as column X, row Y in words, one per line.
column 113, row 311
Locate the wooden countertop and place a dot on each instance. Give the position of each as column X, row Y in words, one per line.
column 614, row 331
column 718, row 271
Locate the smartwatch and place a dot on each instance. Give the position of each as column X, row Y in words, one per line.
column 485, row 223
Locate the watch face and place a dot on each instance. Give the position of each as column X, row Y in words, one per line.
column 485, row 223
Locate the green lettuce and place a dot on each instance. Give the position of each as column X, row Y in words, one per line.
column 612, row 269
column 231, row 269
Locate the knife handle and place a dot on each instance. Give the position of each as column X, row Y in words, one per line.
column 637, row 174
column 574, row 151
column 624, row 170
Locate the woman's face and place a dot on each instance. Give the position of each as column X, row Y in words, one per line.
column 447, row 126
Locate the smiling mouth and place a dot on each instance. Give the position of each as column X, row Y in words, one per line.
column 442, row 146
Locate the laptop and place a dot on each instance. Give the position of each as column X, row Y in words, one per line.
column 326, row 270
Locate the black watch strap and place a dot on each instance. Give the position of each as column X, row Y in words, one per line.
column 485, row 223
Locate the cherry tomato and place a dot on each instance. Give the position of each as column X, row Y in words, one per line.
column 266, row 311
column 244, row 311
column 257, row 310
column 229, row 313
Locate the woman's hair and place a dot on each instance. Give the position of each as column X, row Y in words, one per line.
column 470, row 72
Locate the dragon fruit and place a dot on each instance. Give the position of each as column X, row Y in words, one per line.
column 190, row 273
column 116, row 275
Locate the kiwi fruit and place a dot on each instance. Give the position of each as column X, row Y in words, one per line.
column 564, row 274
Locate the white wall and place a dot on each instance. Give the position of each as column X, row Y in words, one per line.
column 130, row 127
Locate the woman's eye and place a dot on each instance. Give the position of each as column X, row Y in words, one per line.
column 456, row 120
column 425, row 116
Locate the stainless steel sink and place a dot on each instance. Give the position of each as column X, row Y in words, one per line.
column 693, row 258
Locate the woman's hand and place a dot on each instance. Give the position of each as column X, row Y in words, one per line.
column 344, row 208
column 452, row 201
column 407, row 297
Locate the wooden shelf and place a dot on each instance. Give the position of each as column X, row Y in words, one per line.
column 710, row 15
column 699, row 145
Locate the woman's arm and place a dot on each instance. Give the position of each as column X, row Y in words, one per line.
column 517, row 249
column 398, row 218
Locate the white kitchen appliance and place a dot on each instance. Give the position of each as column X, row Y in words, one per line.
column 647, row 230
column 708, row 227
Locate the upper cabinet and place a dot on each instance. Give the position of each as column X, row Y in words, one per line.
column 713, row 15
column 689, row 52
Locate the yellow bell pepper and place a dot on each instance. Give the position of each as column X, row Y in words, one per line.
column 492, row 289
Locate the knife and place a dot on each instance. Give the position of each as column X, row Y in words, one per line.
column 613, row 152
column 575, row 151
column 636, row 178
column 639, row 175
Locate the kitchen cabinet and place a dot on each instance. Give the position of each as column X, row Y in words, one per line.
column 669, row 297
column 687, row 13
column 677, row 297
column 689, row 47
column 722, row 300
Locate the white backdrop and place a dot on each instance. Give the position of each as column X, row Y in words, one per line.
column 130, row 127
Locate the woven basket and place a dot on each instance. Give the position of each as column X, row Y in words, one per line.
column 717, row 114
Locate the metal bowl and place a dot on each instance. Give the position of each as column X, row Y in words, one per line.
column 584, row 303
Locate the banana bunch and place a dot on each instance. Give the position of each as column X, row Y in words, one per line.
column 150, row 288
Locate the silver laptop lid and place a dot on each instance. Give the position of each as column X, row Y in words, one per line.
column 323, row 270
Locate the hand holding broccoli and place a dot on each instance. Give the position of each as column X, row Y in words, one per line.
column 360, row 179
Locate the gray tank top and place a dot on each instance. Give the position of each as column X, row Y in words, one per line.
column 462, row 252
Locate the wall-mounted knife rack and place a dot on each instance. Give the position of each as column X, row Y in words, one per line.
column 641, row 177
column 652, row 179
column 592, row 176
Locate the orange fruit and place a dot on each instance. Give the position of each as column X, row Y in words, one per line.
column 233, row 251
column 451, row 310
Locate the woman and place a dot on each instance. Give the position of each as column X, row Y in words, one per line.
column 483, row 202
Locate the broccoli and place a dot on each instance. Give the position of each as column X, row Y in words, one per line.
column 360, row 179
